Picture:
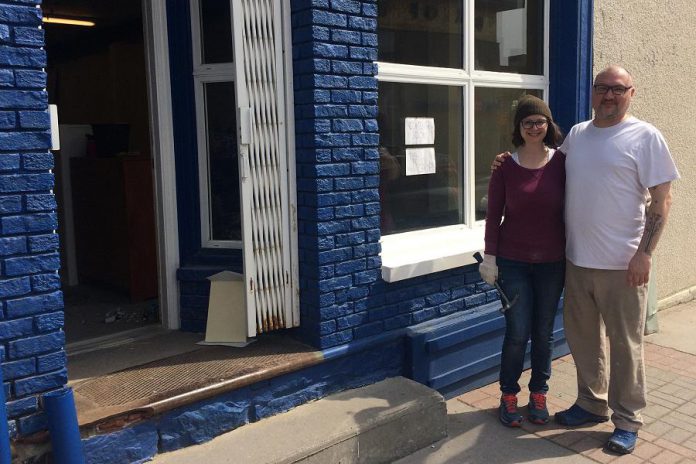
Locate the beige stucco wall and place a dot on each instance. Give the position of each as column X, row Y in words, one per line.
column 656, row 41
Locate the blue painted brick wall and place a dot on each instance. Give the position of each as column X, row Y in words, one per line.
column 31, row 304
column 343, row 297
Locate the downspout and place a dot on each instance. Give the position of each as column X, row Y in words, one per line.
column 66, row 443
column 5, row 453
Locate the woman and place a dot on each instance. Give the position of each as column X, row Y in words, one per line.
column 526, row 253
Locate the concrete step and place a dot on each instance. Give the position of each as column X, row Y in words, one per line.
column 375, row 424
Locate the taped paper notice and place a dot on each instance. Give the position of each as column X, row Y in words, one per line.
column 419, row 131
column 420, row 161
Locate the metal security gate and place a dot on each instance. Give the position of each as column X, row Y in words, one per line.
column 263, row 165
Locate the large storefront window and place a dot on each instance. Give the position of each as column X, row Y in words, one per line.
column 451, row 73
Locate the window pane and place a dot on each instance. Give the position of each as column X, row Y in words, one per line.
column 509, row 36
column 421, row 32
column 216, row 31
column 493, row 119
column 424, row 191
column 223, row 170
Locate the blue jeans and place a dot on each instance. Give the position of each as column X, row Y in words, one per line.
column 538, row 288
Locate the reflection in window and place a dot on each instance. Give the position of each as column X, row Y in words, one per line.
column 420, row 156
column 223, row 170
column 422, row 32
column 216, row 31
column 493, row 118
column 509, row 36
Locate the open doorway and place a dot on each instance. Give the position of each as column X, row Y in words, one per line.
column 104, row 170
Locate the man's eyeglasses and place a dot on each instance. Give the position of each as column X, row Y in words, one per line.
column 617, row 90
column 539, row 123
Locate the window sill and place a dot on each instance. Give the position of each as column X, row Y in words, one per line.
column 422, row 252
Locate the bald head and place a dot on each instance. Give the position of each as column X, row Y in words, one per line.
column 615, row 70
column 612, row 93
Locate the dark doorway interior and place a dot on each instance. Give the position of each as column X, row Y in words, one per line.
column 97, row 78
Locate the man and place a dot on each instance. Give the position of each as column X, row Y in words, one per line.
column 612, row 162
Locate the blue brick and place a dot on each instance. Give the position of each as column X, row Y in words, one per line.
column 16, row 329
column 475, row 300
column 25, row 140
column 424, row 315
column 22, row 407
column 29, row 36
column 26, row 182
column 349, row 267
column 363, row 111
column 346, row 67
column 370, row 40
column 346, row 96
column 347, row 125
column 8, row 120
column 34, row 423
column 12, row 246
column 347, row 154
column 41, row 202
column 333, row 199
column 397, row 322
column 34, row 304
column 347, row 6
column 32, row 264
column 332, row 140
column 10, row 204
column 45, row 282
column 371, row 126
column 18, row 369
column 29, row 99
column 42, row 243
column 5, row 34
column 14, row 287
column 36, row 345
column 327, row 327
column 7, row 78
column 349, row 211
column 34, row 120
column 363, row 53
column 337, row 283
column 51, row 362
column 365, row 196
column 346, row 37
column 330, row 110
column 370, row 97
column 362, row 24
column 437, row 298
column 365, row 83
column 30, row 78
column 368, row 330
column 132, row 444
column 328, row 50
column 349, row 183
column 20, row 15
column 29, row 223
column 368, row 222
column 337, row 338
column 367, row 277
column 326, row 18
column 352, row 320
column 335, row 311
column 333, row 227
column 12, row 428
column 369, row 9
column 37, row 161
column 451, row 307
column 49, row 322
column 369, row 140
column 372, row 208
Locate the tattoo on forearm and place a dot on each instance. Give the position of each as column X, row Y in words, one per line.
column 653, row 227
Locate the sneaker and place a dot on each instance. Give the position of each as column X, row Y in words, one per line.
column 508, row 413
column 622, row 441
column 577, row 416
column 536, row 409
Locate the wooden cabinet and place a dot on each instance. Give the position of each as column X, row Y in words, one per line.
column 115, row 223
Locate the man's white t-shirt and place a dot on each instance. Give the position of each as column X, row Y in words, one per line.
column 608, row 172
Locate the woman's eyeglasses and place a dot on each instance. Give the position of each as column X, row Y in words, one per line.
column 539, row 123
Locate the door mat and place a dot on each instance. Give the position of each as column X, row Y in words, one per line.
column 158, row 386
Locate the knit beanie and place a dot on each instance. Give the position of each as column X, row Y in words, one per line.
column 528, row 105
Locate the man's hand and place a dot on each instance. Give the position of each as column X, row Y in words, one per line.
column 639, row 269
column 499, row 160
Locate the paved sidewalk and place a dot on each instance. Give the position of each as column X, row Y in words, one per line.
column 669, row 434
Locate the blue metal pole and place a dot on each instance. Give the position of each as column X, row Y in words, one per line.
column 62, row 425
column 5, row 453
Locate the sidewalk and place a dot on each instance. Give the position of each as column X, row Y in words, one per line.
column 669, row 434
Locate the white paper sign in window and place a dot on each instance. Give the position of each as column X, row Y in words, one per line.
column 420, row 161
column 419, row 131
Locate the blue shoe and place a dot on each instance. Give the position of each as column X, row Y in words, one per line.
column 575, row 416
column 622, row 441
column 508, row 413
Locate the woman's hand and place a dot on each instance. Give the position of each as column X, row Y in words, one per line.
column 488, row 269
column 499, row 160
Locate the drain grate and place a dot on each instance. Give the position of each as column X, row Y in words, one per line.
column 137, row 387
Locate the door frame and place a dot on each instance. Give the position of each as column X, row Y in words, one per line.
column 164, row 169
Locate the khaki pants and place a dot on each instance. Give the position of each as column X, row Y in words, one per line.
column 599, row 305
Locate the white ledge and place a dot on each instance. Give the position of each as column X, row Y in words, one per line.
column 422, row 252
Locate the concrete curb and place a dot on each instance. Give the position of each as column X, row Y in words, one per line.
column 375, row 424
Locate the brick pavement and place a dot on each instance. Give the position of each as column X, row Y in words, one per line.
column 669, row 434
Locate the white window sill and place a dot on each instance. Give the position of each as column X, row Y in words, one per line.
column 422, row 252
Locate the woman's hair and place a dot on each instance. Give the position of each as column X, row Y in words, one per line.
column 553, row 139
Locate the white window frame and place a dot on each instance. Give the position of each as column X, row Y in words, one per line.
column 421, row 252
column 202, row 75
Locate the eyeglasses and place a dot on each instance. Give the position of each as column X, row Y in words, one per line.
column 539, row 123
column 617, row 90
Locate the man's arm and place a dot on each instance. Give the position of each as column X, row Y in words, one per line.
column 655, row 220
